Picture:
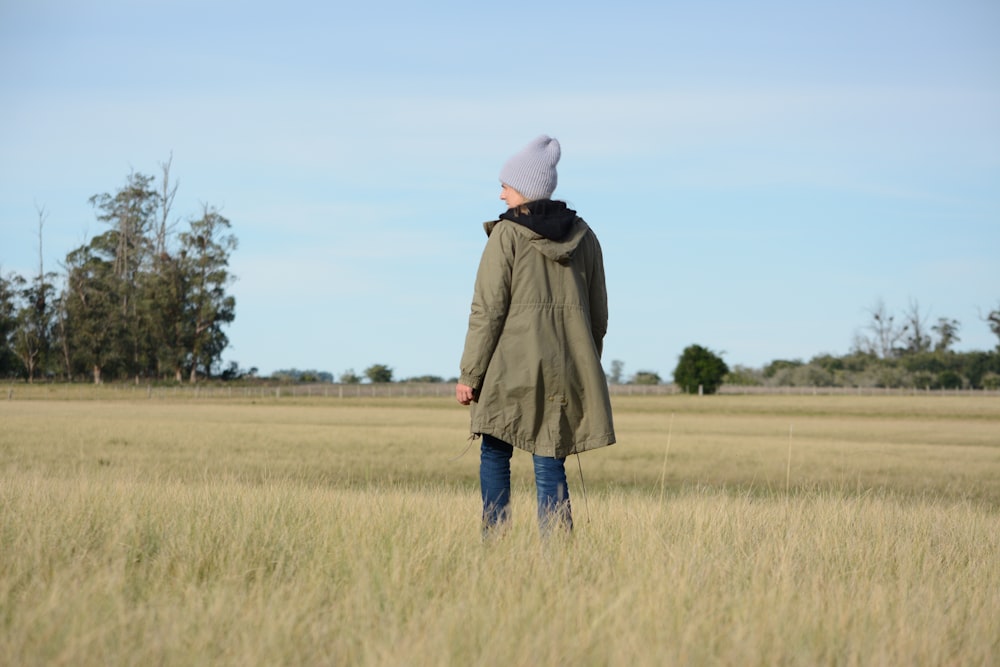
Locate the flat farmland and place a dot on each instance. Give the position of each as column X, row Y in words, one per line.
column 750, row 530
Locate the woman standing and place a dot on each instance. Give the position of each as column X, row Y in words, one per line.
column 532, row 362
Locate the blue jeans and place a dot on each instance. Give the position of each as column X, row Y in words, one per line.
column 550, row 482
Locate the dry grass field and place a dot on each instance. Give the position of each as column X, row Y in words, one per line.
column 732, row 530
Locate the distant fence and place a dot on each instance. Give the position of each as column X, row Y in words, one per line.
column 410, row 390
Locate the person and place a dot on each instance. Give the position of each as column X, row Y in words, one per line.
column 531, row 366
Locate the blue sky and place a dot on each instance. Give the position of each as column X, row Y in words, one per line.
column 759, row 174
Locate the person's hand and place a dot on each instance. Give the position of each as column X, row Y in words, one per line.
column 463, row 393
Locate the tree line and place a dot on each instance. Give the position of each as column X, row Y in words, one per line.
column 375, row 374
column 145, row 300
column 904, row 351
column 141, row 299
column 890, row 351
column 897, row 351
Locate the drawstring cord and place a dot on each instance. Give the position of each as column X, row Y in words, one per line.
column 468, row 444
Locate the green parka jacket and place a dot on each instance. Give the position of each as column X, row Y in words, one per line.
column 536, row 331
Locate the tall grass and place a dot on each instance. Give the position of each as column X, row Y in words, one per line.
column 319, row 533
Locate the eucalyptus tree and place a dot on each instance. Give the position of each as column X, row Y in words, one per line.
column 164, row 312
column 131, row 213
column 60, row 340
column 34, row 322
column 205, row 252
column 947, row 331
column 93, row 325
column 9, row 364
column 33, row 326
column 139, row 299
column 993, row 320
column 916, row 339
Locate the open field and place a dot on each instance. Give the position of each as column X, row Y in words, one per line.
column 742, row 530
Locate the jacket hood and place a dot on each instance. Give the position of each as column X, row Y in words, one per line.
column 556, row 229
column 551, row 219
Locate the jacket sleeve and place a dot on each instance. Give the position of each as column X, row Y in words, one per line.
column 490, row 303
column 598, row 298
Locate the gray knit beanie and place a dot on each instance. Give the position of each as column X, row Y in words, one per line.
column 532, row 171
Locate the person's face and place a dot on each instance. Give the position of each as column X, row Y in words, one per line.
column 511, row 196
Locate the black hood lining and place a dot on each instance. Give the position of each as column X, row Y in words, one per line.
column 546, row 217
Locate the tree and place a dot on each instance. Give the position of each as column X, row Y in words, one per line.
column 165, row 315
column 234, row 372
column 975, row 366
column 378, row 373
column 166, row 201
column 947, row 331
column 33, row 321
column 949, row 380
column 350, row 377
column 33, row 328
column 744, row 376
column 993, row 320
column 916, row 339
column 700, row 367
column 778, row 365
column 61, row 332
column 884, row 334
column 93, row 325
column 806, row 375
column 646, row 377
column 165, row 291
column 137, row 299
column 617, row 371
column 131, row 213
column 206, row 248
column 425, row 379
column 295, row 375
column 8, row 325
